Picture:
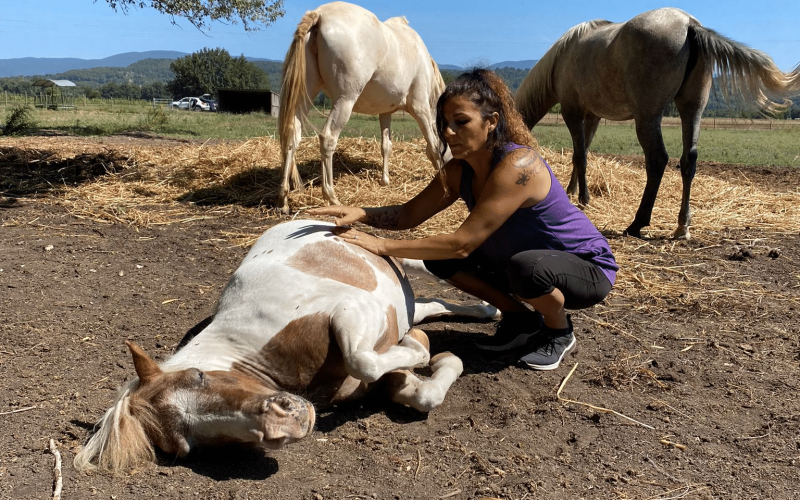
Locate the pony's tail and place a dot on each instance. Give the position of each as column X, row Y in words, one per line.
column 121, row 442
column 293, row 85
column 746, row 72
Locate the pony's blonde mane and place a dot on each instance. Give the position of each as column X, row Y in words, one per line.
column 537, row 87
column 121, row 441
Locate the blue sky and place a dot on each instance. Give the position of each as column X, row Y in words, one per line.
column 460, row 32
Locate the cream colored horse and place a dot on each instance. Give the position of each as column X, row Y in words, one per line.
column 364, row 66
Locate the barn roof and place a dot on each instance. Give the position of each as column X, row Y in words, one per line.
column 53, row 83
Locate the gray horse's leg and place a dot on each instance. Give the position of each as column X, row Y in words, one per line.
column 690, row 101
column 582, row 129
column 648, row 130
column 386, row 145
column 690, row 126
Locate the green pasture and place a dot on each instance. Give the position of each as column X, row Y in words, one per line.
column 780, row 147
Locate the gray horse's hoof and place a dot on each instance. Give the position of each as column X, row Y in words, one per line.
column 635, row 232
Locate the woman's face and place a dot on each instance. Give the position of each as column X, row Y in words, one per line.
column 465, row 130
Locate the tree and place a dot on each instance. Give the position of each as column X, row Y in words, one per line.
column 251, row 13
column 209, row 70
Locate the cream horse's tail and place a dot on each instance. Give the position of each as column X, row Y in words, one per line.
column 747, row 72
column 293, row 85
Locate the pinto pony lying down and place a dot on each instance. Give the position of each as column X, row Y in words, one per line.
column 305, row 313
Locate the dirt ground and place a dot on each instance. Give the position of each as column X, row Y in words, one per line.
column 695, row 399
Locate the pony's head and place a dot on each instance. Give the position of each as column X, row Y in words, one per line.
column 177, row 411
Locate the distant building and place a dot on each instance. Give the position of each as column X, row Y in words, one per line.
column 54, row 94
column 247, row 101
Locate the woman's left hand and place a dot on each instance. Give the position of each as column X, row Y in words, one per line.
column 363, row 240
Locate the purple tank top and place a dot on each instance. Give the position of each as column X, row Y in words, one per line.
column 554, row 223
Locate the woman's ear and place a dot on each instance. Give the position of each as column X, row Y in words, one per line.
column 493, row 120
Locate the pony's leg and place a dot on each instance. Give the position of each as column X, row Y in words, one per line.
column 424, row 395
column 428, row 308
column 690, row 101
column 648, row 130
column 355, row 332
column 340, row 113
column 386, row 145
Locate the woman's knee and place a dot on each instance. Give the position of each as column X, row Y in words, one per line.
column 529, row 277
column 443, row 269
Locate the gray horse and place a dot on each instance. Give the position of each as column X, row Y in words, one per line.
column 634, row 70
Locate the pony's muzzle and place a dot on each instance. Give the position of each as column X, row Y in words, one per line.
column 285, row 418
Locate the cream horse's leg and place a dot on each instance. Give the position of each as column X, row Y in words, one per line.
column 386, row 145
column 358, row 330
column 340, row 113
column 422, row 113
column 290, row 166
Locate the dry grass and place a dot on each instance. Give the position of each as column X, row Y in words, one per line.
column 167, row 182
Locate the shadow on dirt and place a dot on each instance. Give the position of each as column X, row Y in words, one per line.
column 32, row 173
column 224, row 463
column 260, row 185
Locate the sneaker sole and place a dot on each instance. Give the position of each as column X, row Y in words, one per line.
column 551, row 366
column 519, row 341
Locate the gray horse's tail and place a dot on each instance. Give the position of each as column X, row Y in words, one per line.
column 293, row 85
column 746, row 72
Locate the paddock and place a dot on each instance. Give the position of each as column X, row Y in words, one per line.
column 683, row 384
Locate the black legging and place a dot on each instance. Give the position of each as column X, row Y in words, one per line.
column 534, row 273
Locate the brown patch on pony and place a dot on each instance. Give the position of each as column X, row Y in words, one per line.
column 420, row 336
column 326, row 259
column 389, row 266
column 304, row 357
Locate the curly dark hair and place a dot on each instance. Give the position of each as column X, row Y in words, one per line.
column 490, row 94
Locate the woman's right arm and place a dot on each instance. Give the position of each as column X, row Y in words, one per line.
column 430, row 201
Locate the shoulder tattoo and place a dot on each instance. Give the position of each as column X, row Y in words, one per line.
column 527, row 165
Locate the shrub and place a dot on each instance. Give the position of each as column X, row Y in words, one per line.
column 154, row 119
column 19, row 121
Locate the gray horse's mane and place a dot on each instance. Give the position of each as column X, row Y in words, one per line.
column 537, row 87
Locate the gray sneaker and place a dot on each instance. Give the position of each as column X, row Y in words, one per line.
column 550, row 348
column 514, row 330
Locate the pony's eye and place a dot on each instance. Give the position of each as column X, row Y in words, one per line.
column 199, row 378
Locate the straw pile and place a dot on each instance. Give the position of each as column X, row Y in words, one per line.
column 168, row 182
